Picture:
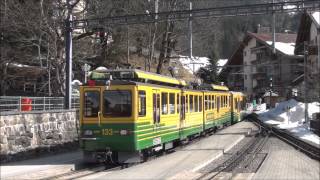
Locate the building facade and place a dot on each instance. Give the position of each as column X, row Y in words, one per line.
column 308, row 44
column 265, row 69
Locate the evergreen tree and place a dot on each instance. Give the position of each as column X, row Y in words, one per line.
column 209, row 74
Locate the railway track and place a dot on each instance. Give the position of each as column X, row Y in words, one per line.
column 308, row 149
column 241, row 160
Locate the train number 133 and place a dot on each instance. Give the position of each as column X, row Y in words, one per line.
column 107, row 132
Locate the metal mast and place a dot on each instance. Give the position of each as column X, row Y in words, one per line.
column 68, row 91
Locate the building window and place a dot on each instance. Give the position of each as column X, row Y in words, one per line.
column 142, row 103
column 164, row 103
column 245, row 77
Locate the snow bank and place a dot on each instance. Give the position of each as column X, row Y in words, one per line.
column 290, row 115
column 316, row 16
column 286, row 48
column 188, row 63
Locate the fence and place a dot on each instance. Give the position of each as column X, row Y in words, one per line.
column 19, row 103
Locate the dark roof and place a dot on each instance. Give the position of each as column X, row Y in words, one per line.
column 304, row 31
column 280, row 37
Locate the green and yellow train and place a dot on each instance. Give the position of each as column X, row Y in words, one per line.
column 125, row 115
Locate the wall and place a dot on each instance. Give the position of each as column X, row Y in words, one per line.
column 36, row 132
column 248, row 57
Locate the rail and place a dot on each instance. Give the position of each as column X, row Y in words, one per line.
column 18, row 104
column 250, row 150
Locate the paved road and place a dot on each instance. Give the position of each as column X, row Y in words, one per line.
column 285, row 162
column 40, row 167
column 186, row 160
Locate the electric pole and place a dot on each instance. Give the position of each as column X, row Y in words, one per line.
column 273, row 29
column 305, row 52
column 190, row 35
column 68, row 30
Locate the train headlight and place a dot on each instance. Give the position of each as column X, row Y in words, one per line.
column 123, row 132
column 88, row 132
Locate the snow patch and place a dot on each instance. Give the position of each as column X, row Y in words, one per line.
column 193, row 63
column 286, row 48
column 289, row 115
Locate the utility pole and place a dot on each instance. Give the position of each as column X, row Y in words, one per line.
column 273, row 29
column 305, row 52
column 156, row 10
column 190, row 36
column 68, row 30
column 128, row 44
column 318, row 75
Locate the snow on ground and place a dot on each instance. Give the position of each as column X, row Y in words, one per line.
column 286, row 48
column 289, row 115
column 188, row 63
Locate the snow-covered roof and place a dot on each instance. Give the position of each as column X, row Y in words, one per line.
column 316, row 16
column 286, row 48
column 221, row 63
column 195, row 62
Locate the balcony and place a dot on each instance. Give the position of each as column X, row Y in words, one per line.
column 259, row 76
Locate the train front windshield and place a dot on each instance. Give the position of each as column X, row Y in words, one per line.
column 117, row 103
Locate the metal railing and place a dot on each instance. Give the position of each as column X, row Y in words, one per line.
column 25, row 104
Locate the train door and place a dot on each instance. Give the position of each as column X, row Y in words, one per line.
column 156, row 106
column 182, row 110
column 91, row 105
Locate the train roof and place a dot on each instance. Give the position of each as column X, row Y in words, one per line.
column 136, row 75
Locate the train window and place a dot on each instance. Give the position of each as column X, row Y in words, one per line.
column 92, row 104
column 187, row 104
column 227, row 101
column 209, row 102
column 213, row 101
column 196, row 103
column 142, row 103
column 218, row 103
column 171, row 103
column 206, row 102
column 178, row 103
column 201, row 103
column 117, row 103
column 164, row 103
column 191, row 105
